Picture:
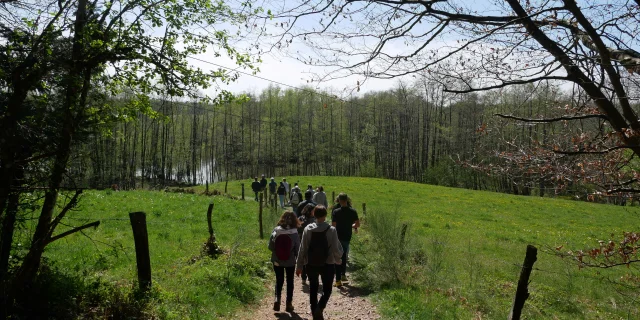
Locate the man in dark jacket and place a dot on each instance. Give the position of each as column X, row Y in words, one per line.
column 263, row 183
column 308, row 195
column 255, row 186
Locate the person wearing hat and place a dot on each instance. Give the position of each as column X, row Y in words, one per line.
column 263, row 183
column 344, row 219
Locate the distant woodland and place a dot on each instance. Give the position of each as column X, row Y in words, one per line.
column 413, row 132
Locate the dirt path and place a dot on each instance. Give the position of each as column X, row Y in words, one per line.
column 347, row 303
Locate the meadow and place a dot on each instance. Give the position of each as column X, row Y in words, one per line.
column 466, row 249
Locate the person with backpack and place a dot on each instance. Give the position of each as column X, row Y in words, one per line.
column 307, row 201
column 286, row 186
column 306, row 218
column 320, row 252
column 284, row 244
column 281, row 193
column 344, row 219
column 255, row 186
column 295, row 198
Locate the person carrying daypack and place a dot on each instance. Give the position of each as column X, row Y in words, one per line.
column 295, row 198
column 284, row 244
column 320, row 251
column 306, row 218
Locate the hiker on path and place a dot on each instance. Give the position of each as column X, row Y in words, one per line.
column 284, row 244
column 272, row 188
column 308, row 195
column 306, row 218
column 295, row 198
column 286, row 187
column 320, row 197
column 255, row 186
column 310, row 188
column 344, row 219
column 263, row 183
column 320, row 252
column 281, row 193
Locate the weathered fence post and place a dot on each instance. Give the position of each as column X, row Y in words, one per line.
column 225, row 185
column 364, row 209
column 141, row 239
column 212, row 247
column 209, row 212
column 266, row 199
column 333, row 198
column 260, row 217
column 207, row 188
column 522, row 293
column 225, row 190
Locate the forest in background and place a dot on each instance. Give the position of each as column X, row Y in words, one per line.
column 413, row 132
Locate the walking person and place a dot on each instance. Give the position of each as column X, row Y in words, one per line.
column 272, row 188
column 320, row 197
column 295, row 198
column 320, row 252
column 255, row 186
column 286, row 187
column 263, row 183
column 308, row 195
column 281, row 193
column 306, row 218
column 284, row 244
column 344, row 219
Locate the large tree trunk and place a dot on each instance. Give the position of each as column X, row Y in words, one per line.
column 78, row 80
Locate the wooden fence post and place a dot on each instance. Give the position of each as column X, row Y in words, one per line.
column 260, row 217
column 225, row 190
column 333, row 198
column 266, row 199
column 207, row 188
column 209, row 212
column 141, row 239
column 364, row 209
column 522, row 293
column 225, row 187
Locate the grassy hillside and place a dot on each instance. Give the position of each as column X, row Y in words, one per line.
column 470, row 245
column 475, row 242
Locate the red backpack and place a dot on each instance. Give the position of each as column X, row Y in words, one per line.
column 284, row 246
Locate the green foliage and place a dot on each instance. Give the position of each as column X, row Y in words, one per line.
column 464, row 250
column 186, row 283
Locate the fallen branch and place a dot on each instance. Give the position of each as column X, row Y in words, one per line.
column 74, row 230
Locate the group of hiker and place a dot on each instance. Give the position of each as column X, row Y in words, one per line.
column 305, row 243
column 293, row 195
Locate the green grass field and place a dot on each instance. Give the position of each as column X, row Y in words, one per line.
column 474, row 243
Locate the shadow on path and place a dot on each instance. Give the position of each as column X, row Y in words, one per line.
column 288, row 316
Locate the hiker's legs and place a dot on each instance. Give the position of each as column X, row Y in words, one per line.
column 342, row 268
column 345, row 257
column 327, row 284
column 279, row 281
column 314, row 283
column 281, row 196
column 256, row 196
column 290, row 277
